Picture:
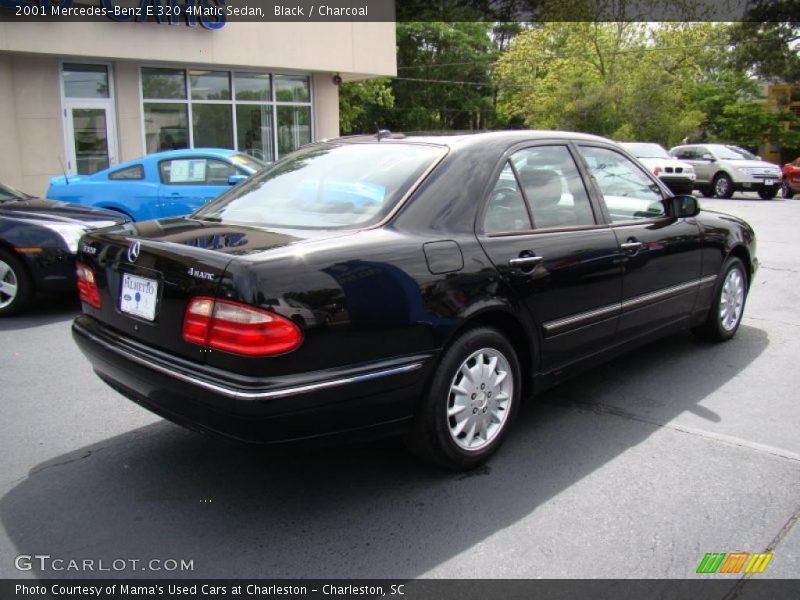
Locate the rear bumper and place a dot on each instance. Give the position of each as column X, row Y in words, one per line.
column 371, row 400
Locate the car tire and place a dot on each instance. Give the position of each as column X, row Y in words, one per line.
column 767, row 193
column 723, row 186
column 786, row 191
column 463, row 439
column 726, row 311
column 706, row 191
column 16, row 286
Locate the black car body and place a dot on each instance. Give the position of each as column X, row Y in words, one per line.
column 510, row 257
column 38, row 243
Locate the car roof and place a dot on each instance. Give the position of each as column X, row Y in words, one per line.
column 461, row 139
column 166, row 154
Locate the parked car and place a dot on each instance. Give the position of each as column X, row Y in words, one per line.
column 676, row 174
column 38, row 243
column 164, row 184
column 790, row 183
column 460, row 272
column 722, row 169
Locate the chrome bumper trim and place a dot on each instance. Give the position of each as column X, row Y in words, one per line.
column 239, row 394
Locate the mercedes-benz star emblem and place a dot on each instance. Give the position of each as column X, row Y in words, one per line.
column 133, row 250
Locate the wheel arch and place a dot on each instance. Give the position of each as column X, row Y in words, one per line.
column 512, row 327
column 115, row 208
column 743, row 254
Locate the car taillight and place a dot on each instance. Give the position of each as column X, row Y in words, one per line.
column 87, row 288
column 238, row 328
column 656, row 171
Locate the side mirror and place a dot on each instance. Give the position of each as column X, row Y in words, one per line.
column 759, row 158
column 708, row 156
column 234, row 179
column 683, row 207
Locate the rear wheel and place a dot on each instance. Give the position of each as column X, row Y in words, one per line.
column 15, row 285
column 786, row 191
column 725, row 314
column 472, row 400
column 723, row 186
column 768, row 193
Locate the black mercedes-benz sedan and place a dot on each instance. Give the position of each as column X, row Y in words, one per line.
column 419, row 285
column 38, row 243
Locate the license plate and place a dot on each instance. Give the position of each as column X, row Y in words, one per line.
column 138, row 296
column 769, row 182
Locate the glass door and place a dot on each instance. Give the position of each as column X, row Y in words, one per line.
column 90, row 139
column 88, row 101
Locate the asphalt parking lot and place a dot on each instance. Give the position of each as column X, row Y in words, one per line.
column 637, row 469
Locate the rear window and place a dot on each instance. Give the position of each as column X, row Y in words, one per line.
column 326, row 186
column 248, row 162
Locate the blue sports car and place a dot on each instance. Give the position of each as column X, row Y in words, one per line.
column 164, row 184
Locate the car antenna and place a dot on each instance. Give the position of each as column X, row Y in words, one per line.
column 382, row 133
column 63, row 169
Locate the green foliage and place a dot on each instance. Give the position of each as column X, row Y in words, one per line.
column 360, row 104
column 635, row 81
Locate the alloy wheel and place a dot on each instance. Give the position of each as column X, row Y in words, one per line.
column 9, row 284
column 731, row 300
column 480, row 399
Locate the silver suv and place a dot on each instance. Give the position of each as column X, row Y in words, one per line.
column 722, row 169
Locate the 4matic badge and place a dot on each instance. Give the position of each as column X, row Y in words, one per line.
column 200, row 274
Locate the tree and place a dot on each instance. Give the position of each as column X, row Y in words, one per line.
column 636, row 81
column 766, row 42
column 622, row 80
column 360, row 104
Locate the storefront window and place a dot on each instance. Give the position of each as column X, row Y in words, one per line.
column 165, row 126
column 226, row 110
column 254, row 129
column 294, row 128
column 210, row 85
column 85, row 81
column 212, row 125
column 253, row 87
column 163, row 84
column 291, row 89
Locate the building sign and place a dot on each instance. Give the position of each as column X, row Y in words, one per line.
column 209, row 14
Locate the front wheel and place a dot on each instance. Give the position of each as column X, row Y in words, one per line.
column 473, row 398
column 768, row 193
column 723, row 186
column 725, row 314
column 786, row 191
column 15, row 285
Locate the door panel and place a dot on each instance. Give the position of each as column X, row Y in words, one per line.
column 573, row 293
column 661, row 254
column 566, row 270
column 189, row 182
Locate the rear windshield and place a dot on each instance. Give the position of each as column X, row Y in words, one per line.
column 248, row 162
column 326, row 186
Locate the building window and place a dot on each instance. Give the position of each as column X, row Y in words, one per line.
column 197, row 108
column 85, row 81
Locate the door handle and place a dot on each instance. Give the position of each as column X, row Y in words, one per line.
column 632, row 246
column 525, row 262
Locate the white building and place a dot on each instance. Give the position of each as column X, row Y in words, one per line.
column 82, row 96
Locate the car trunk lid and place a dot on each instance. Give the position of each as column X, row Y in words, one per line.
column 146, row 273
